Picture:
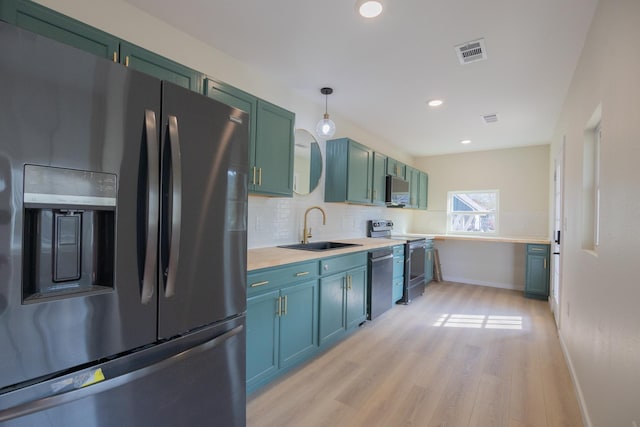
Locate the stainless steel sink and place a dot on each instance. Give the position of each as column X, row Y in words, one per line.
column 319, row 246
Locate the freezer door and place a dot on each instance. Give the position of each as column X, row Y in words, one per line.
column 204, row 211
column 76, row 217
column 196, row 380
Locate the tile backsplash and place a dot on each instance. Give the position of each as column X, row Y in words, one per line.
column 279, row 221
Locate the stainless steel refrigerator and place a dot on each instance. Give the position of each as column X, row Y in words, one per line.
column 123, row 204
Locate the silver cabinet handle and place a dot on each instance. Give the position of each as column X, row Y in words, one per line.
column 302, row 273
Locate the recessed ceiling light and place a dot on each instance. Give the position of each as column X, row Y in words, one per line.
column 435, row 102
column 465, row 141
column 369, row 8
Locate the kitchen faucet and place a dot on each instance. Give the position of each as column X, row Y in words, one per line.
column 306, row 233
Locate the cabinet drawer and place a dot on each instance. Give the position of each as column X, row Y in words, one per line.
column 398, row 266
column 537, row 249
column 269, row 278
column 342, row 263
column 398, row 250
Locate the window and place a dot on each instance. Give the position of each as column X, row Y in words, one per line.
column 472, row 212
column 591, row 189
column 591, row 182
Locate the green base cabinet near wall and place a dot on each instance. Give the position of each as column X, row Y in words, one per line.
column 51, row 24
column 270, row 139
column 282, row 320
column 537, row 271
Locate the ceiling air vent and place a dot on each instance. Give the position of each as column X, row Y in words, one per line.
column 490, row 118
column 472, row 51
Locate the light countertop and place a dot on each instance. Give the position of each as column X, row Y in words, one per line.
column 274, row 256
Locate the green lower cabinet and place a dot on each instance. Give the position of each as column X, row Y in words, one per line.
column 537, row 271
column 332, row 319
column 282, row 329
column 343, row 303
column 356, row 297
column 263, row 326
column 298, row 322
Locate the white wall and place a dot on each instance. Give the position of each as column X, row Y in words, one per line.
column 520, row 174
column 522, row 177
column 599, row 313
column 272, row 221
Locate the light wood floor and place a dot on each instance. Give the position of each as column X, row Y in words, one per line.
column 414, row 367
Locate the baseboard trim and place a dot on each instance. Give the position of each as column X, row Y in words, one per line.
column 576, row 384
column 481, row 283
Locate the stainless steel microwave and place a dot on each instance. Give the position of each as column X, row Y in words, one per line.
column 397, row 192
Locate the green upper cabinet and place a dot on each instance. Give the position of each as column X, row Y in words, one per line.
column 412, row 175
column 155, row 65
column 379, row 181
column 270, row 139
column 48, row 23
column 40, row 20
column 241, row 100
column 272, row 172
column 423, row 190
column 349, row 172
column 396, row 168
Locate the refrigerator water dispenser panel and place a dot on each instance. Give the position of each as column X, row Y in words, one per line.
column 69, row 232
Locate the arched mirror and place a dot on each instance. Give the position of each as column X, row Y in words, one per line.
column 307, row 163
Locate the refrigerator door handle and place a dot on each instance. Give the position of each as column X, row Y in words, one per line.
column 108, row 384
column 153, row 186
column 176, row 207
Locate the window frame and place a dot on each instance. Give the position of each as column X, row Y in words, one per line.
column 451, row 212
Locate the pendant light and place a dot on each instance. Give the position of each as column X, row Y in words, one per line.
column 325, row 127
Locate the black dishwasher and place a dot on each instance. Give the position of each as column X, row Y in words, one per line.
column 379, row 295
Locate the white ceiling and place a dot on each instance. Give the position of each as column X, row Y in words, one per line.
column 383, row 70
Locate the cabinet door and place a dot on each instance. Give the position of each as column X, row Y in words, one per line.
column 412, row 175
column 398, row 284
column 48, row 23
column 262, row 336
column 244, row 101
column 356, row 297
column 359, row 170
column 379, row 178
column 299, row 322
column 423, row 186
column 274, row 150
column 396, row 168
column 332, row 322
column 155, row 65
column 537, row 280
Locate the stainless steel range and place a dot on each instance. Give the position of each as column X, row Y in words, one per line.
column 414, row 257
